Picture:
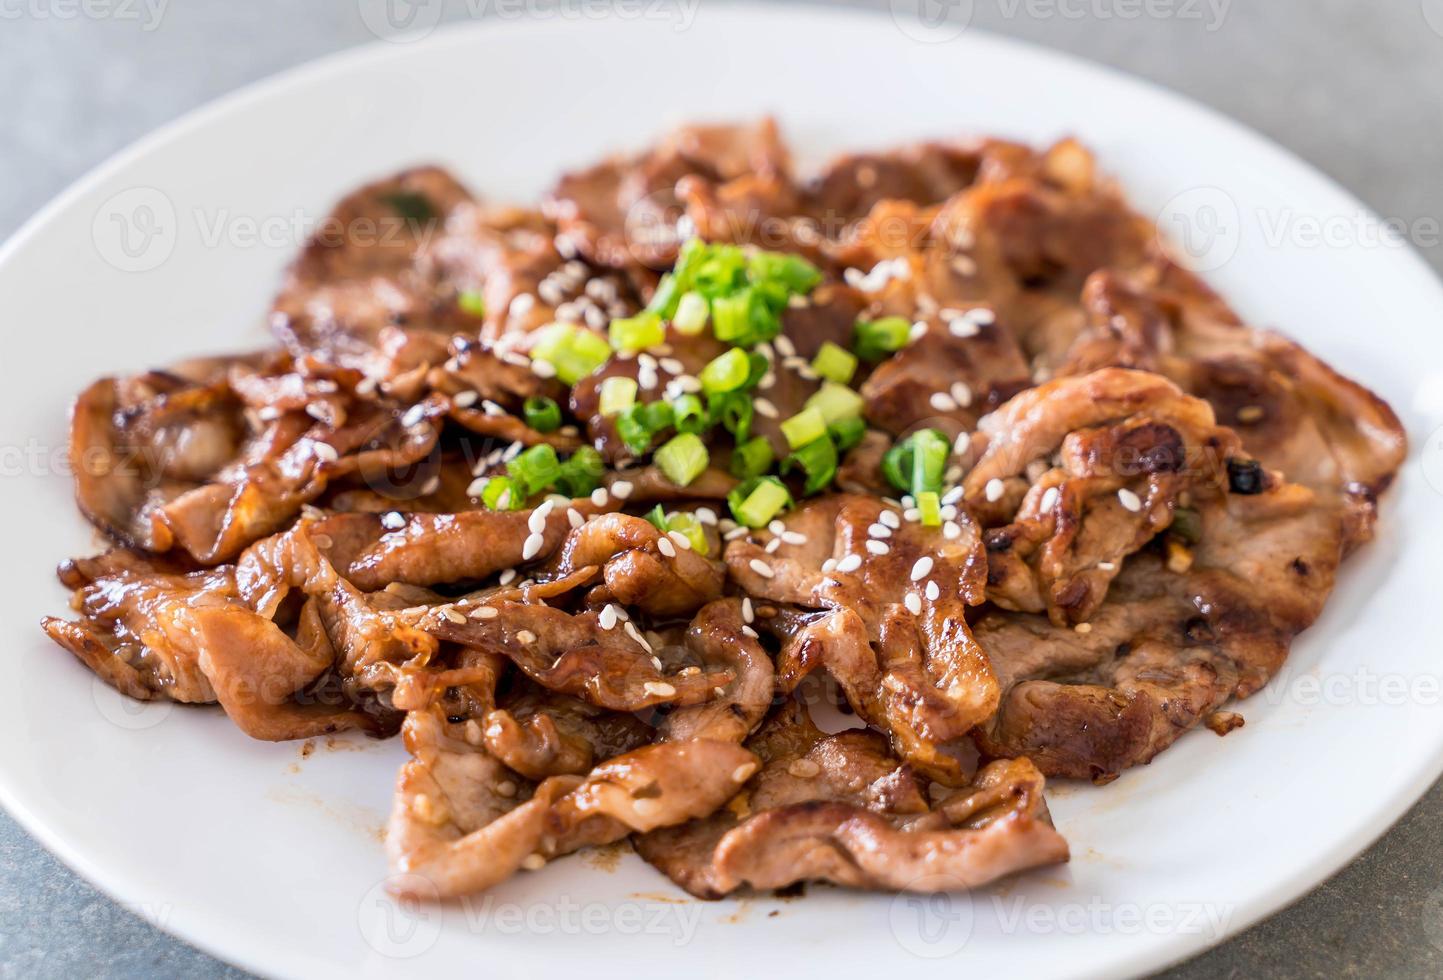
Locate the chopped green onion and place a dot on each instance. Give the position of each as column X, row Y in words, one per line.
column 818, row 460
column 536, row 469
column 617, row 395
column 834, row 363
column 542, row 413
column 930, row 450
column 503, row 493
column 582, row 473
column 713, row 270
column 637, row 333
column 876, row 339
column 846, row 433
column 733, row 411
column 929, row 507
column 792, row 272
column 726, row 372
column 683, row 459
column 657, row 517
column 751, row 458
column 574, row 351
column 690, row 415
column 733, row 317
column 836, row 402
column 691, row 314
column 806, row 426
column 916, row 463
column 664, row 301
column 695, row 533
column 411, row 205
column 471, row 301
column 758, row 500
column 639, row 423
column 1187, row 524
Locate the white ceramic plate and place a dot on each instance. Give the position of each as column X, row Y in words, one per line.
column 273, row 860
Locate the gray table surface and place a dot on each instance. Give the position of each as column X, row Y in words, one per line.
column 1356, row 88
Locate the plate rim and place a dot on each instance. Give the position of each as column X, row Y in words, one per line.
column 1279, row 896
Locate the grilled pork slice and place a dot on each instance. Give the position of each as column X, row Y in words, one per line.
column 839, row 808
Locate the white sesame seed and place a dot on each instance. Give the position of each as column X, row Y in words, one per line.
column 952, row 496
column 784, row 345
column 671, row 365
column 951, row 530
column 622, row 489
column 748, row 631
column 543, row 369
column 647, row 378
column 574, row 518
column 772, row 546
column 829, row 566
column 452, row 615
column 760, row 567
column 850, row 563
column 680, row 540
column 794, row 537
column 326, row 452
column 962, row 327
column 525, row 637
column 981, row 315
column 765, row 408
column 1129, row 500
column 392, row 520
column 961, row 394
column 748, row 614
column 922, row 568
column 913, row 604
column 631, row 631
column 911, row 515
column 507, row 577
column 464, row 399
column 933, row 592
column 607, row 618
column 743, row 772
column 665, row 546
column 1049, row 499
column 879, row 531
column 942, row 401
column 917, row 331
column 485, row 612
column 706, row 515
column 367, row 386
column 878, row 547
column 660, row 689
column 994, row 490
column 1107, row 566
column 889, row 518
column 776, row 527
column 1083, row 628
column 536, row 523
column 599, row 497
column 512, row 451
column 532, row 547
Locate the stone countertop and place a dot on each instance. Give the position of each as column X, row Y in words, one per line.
column 1354, row 88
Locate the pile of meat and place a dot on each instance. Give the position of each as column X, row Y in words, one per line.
column 1150, row 500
